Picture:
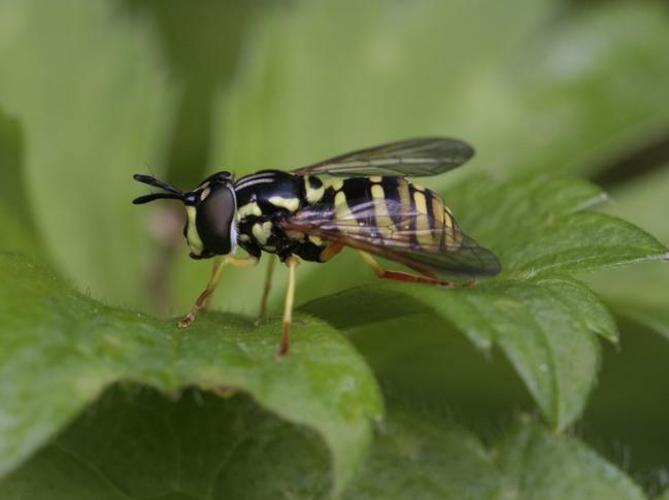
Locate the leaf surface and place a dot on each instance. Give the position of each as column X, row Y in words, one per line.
column 539, row 465
column 61, row 349
column 199, row 447
column 206, row 447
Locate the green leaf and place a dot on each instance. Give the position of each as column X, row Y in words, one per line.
column 417, row 456
column 421, row 457
column 641, row 293
column 202, row 446
column 60, row 349
column 545, row 327
column 89, row 89
column 197, row 447
column 542, row 319
column 541, row 465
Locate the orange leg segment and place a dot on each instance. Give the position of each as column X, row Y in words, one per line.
column 383, row 273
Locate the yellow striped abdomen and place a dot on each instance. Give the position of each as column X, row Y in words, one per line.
column 386, row 208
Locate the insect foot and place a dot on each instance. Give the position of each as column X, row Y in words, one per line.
column 187, row 321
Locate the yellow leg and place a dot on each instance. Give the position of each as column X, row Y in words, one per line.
column 268, row 287
column 292, row 263
column 205, row 297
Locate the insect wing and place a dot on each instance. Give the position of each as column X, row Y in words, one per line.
column 436, row 251
column 413, row 157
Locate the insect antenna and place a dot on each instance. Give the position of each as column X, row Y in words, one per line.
column 172, row 192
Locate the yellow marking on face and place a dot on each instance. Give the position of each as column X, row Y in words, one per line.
column 262, row 231
column 313, row 195
column 375, row 178
column 290, row 204
column 205, row 194
column 192, row 236
column 423, row 233
column 383, row 219
column 244, row 237
column 248, row 209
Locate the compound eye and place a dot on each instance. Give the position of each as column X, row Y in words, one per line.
column 215, row 216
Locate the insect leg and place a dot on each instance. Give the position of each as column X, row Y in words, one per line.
column 268, row 286
column 383, row 273
column 245, row 262
column 330, row 251
column 292, row 263
column 205, row 297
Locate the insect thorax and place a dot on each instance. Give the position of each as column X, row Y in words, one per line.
column 264, row 200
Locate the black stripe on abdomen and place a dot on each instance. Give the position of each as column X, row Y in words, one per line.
column 358, row 197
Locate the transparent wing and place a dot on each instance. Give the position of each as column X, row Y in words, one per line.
column 400, row 235
column 413, row 157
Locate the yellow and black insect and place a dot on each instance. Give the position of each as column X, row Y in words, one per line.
column 360, row 200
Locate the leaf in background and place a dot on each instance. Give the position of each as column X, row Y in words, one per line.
column 626, row 416
column 592, row 88
column 420, row 457
column 416, row 456
column 641, row 293
column 539, row 465
column 18, row 231
column 544, row 320
column 91, row 94
column 59, row 349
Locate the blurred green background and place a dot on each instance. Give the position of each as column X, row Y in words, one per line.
column 94, row 91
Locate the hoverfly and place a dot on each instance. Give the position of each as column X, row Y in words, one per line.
column 360, row 200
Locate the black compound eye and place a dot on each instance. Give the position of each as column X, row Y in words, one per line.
column 215, row 216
